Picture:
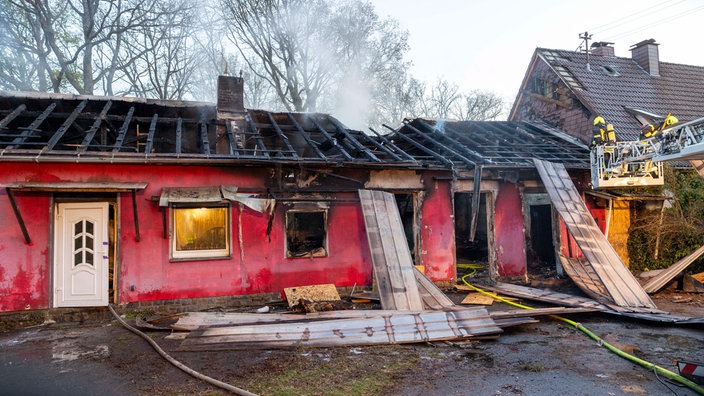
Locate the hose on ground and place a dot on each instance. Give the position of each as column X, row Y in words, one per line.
column 650, row 366
column 183, row 367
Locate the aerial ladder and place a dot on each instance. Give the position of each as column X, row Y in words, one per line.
column 639, row 163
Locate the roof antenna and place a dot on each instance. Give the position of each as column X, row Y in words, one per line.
column 586, row 37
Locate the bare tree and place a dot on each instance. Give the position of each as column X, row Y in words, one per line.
column 479, row 106
column 78, row 43
column 306, row 50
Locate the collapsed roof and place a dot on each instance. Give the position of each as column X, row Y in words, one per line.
column 57, row 127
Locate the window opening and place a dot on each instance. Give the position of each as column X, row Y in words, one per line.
column 306, row 233
column 404, row 202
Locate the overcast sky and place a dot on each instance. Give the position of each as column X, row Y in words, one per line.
column 487, row 44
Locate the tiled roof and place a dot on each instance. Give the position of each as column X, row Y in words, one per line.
column 678, row 90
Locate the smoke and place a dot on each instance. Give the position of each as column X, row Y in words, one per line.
column 353, row 102
column 440, row 125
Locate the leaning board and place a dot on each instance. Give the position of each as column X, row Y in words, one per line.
column 622, row 287
column 391, row 257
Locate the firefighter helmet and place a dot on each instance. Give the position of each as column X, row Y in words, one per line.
column 671, row 120
column 599, row 120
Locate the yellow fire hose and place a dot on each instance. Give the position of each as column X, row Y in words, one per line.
column 650, row 366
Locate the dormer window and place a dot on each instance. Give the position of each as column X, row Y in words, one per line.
column 609, row 71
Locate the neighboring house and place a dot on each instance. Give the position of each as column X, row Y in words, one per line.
column 123, row 200
column 568, row 89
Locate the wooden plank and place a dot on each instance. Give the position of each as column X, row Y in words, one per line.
column 391, row 257
column 398, row 328
column 432, row 296
column 669, row 274
column 477, row 299
column 622, row 287
column 326, row 292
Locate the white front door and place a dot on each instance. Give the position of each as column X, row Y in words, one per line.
column 81, row 255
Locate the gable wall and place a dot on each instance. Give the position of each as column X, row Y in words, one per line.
column 559, row 108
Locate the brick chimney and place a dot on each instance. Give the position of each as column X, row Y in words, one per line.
column 230, row 110
column 602, row 48
column 646, row 55
column 230, row 94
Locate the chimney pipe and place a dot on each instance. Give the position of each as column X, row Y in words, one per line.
column 645, row 54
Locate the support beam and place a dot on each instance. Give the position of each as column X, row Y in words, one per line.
column 150, row 137
column 179, row 133
column 313, row 144
column 18, row 215
column 90, row 134
column 64, row 127
column 282, row 136
column 332, row 140
column 205, row 143
column 8, row 118
column 136, row 217
column 476, row 201
column 257, row 137
column 123, row 131
column 423, row 148
column 27, row 132
column 392, row 145
column 341, row 129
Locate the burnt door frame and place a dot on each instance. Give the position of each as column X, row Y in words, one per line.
column 541, row 199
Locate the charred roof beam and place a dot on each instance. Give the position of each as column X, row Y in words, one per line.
column 305, row 135
column 422, row 147
column 470, row 164
column 179, row 135
column 259, row 141
column 150, row 135
column 33, row 127
column 477, row 157
column 392, row 145
column 205, row 143
column 341, row 128
column 64, row 127
column 8, row 118
column 90, row 134
column 123, row 130
column 282, row 136
column 334, row 142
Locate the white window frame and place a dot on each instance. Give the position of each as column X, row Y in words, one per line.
column 209, row 254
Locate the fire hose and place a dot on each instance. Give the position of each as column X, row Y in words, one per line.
column 650, row 366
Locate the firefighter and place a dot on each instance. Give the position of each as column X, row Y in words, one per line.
column 599, row 134
column 610, row 134
column 669, row 121
column 647, row 131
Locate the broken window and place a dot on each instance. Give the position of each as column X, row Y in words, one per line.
column 200, row 232
column 306, row 231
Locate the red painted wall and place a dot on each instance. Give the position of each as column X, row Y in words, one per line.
column 144, row 270
column 508, row 230
column 437, row 231
column 24, row 268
